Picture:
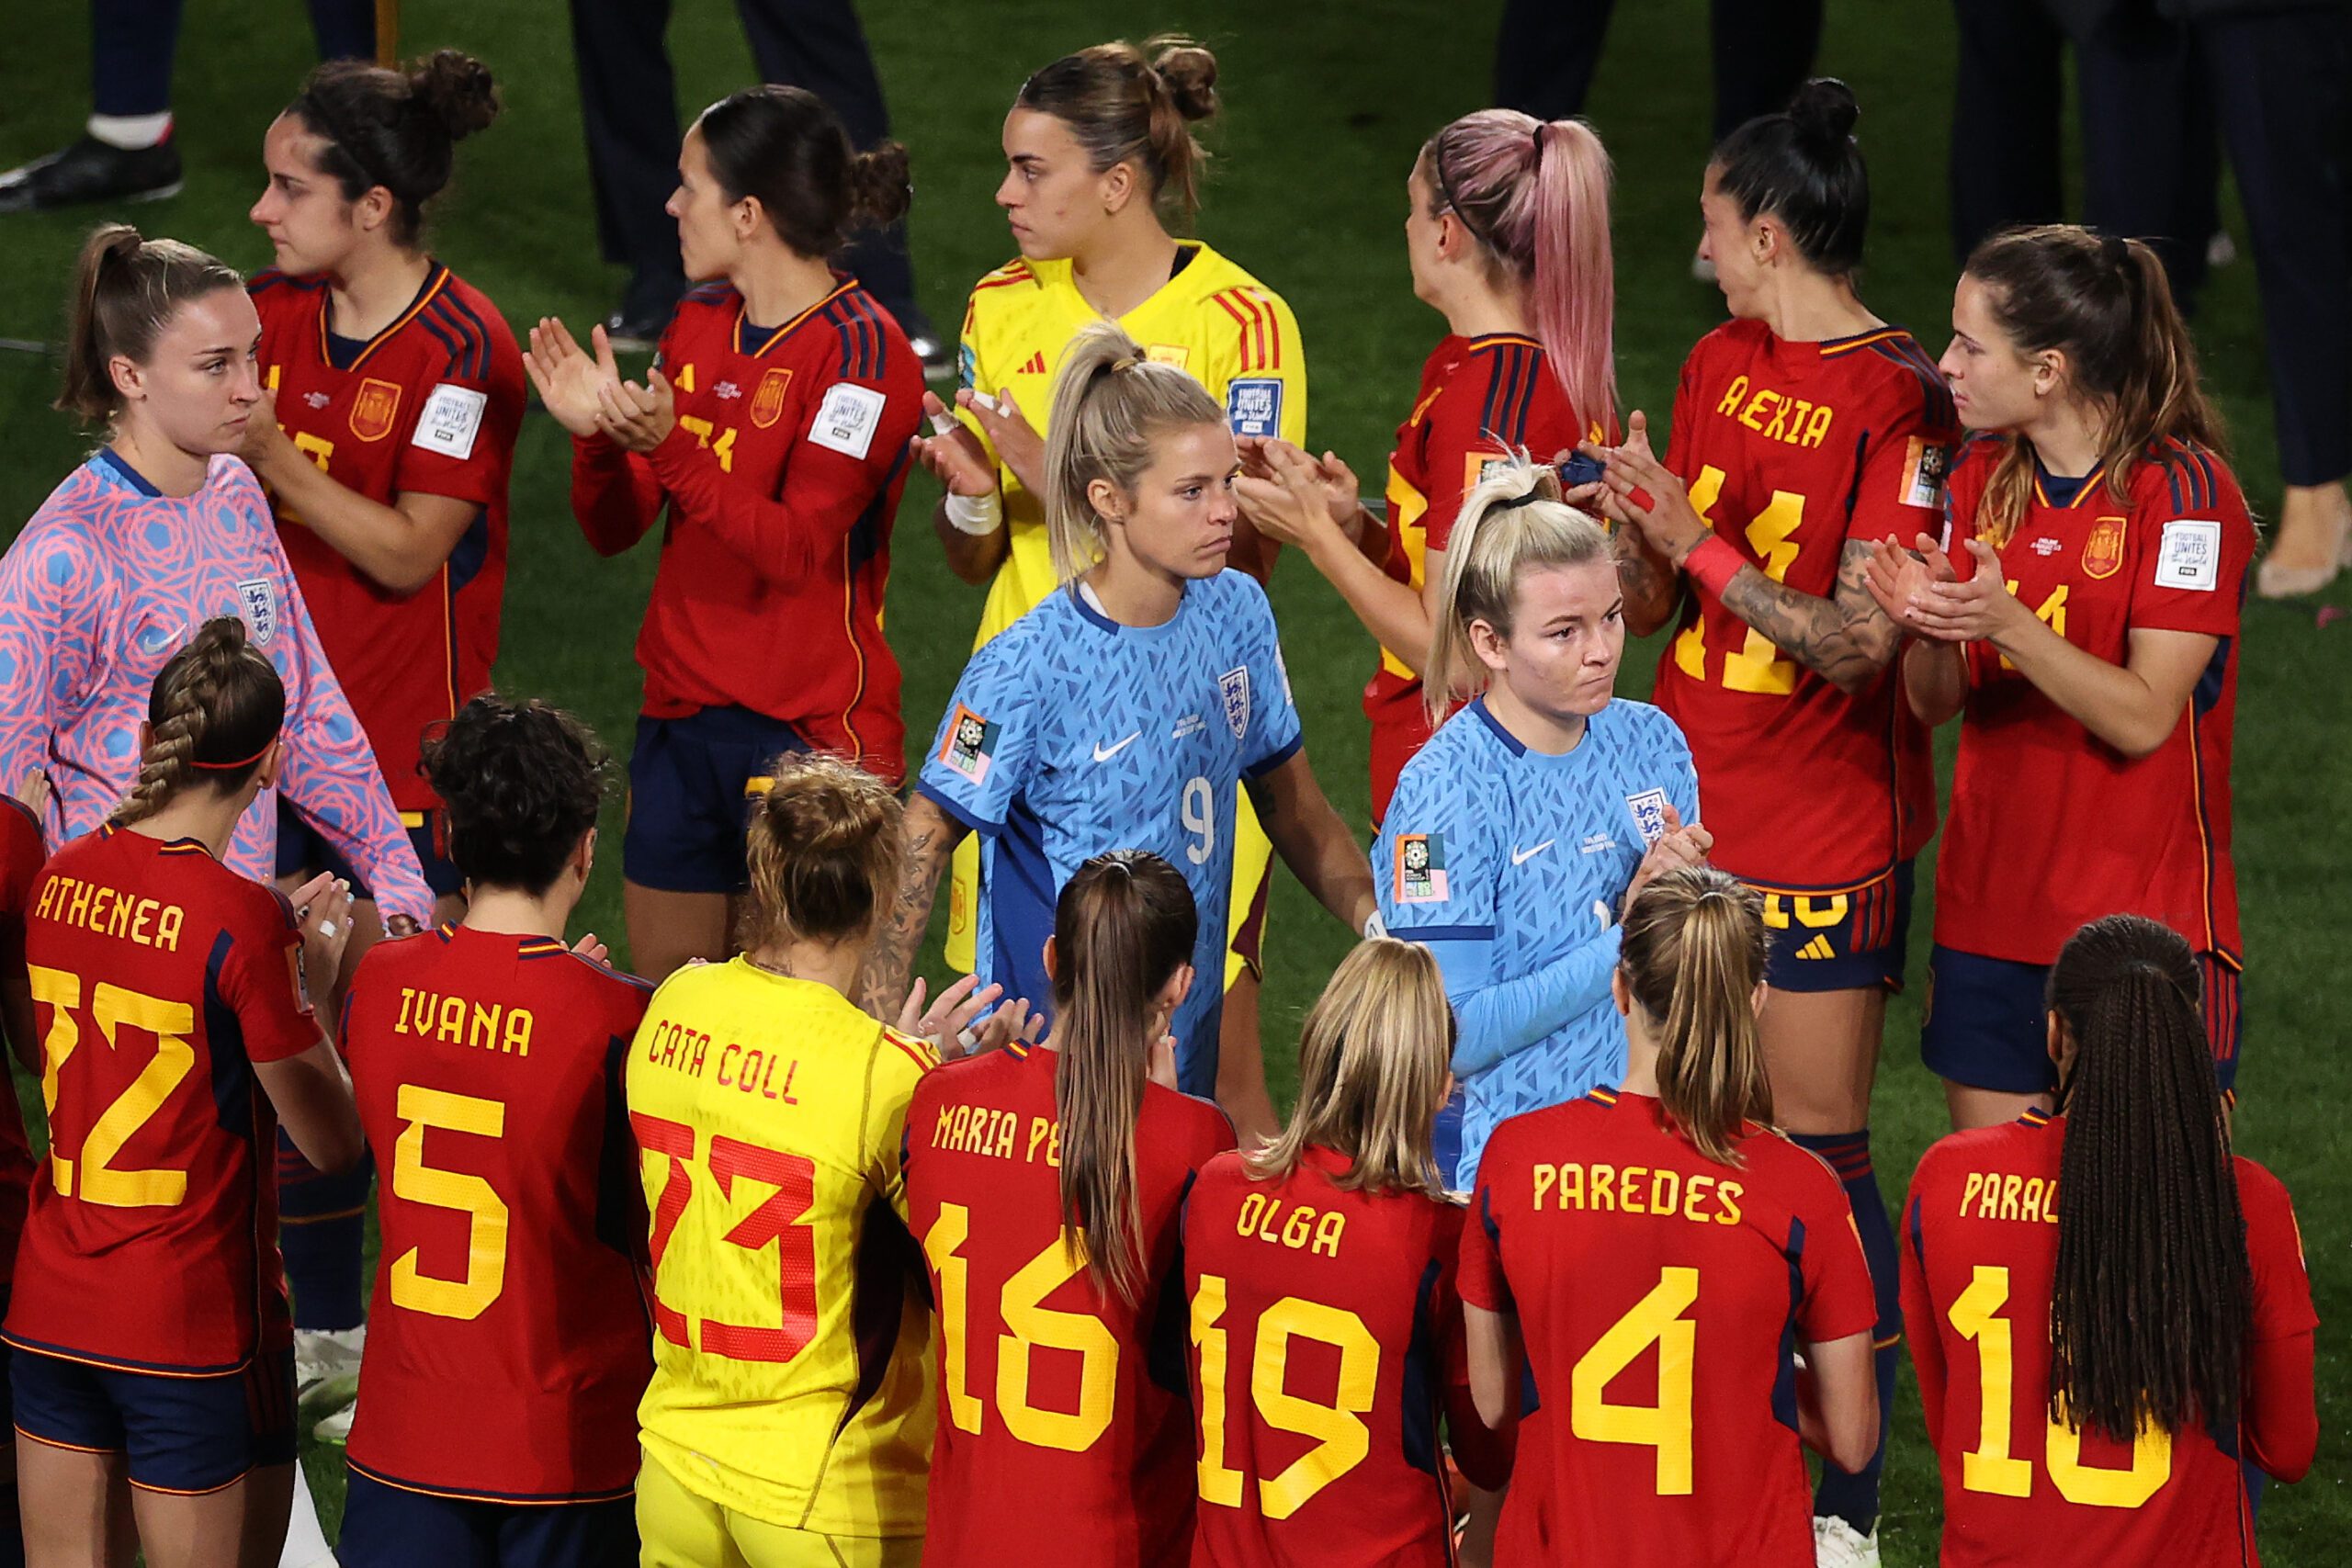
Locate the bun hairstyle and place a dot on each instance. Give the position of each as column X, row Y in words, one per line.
column 1513, row 522
column 1535, row 195
column 2151, row 1296
column 2106, row 304
column 1123, row 927
column 1373, row 1061
column 211, row 716
column 1801, row 166
column 126, row 291
column 520, row 786
column 1109, row 402
column 1126, row 106
column 1693, row 955
column 824, row 848
column 786, row 149
column 395, row 128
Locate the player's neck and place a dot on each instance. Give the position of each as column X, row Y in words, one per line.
column 2066, row 443
column 1641, row 1062
column 1128, row 263
column 369, row 294
column 1553, row 735
column 779, row 287
column 837, row 964
column 1804, row 307
column 510, row 911
column 1135, row 594
column 205, row 815
column 1479, row 311
column 170, row 467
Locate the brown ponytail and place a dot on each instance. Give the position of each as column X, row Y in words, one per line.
column 211, row 715
column 784, row 148
column 126, row 291
column 1123, row 925
column 2105, row 303
column 1693, row 955
column 823, row 844
column 1124, row 108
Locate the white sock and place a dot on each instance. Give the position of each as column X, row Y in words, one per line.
column 306, row 1543
column 132, row 132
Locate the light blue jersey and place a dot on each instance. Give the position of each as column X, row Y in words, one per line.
column 1510, row 864
column 1071, row 735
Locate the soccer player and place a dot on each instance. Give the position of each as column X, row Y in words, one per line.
column 789, row 1418
column 162, row 529
column 2110, row 1313
column 1102, row 155
column 392, row 394
column 1507, row 229
column 148, row 1319
column 487, row 1060
column 1121, row 713
column 2090, row 650
column 1517, row 833
column 773, row 427
column 21, row 854
column 1058, row 1174
column 1806, row 429
column 1325, row 1324
column 1662, row 1255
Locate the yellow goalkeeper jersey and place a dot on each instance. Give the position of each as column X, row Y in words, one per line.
column 792, row 1346
column 1233, row 335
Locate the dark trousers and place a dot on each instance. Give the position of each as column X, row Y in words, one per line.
column 132, row 43
column 1545, row 51
column 2160, row 101
column 628, row 97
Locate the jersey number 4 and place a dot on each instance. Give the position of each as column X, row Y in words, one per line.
column 774, row 1219
column 1990, row 1467
column 1342, row 1439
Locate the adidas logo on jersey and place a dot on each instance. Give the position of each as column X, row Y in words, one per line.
column 1036, row 366
column 1817, row 948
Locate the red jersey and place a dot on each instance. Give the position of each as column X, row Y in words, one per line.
column 159, row 977
column 1795, row 453
column 1481, row 399
column 1659, row 1293
column 1980, row 1242
column 428, row 406
column 21, row 852
column 487, row 1068
column 1051, row 1395
column 1325, row 1328
column 2104, row 833
column 781, row 480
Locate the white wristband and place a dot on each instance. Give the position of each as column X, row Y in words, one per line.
column 1373, row 926
column 975, row 515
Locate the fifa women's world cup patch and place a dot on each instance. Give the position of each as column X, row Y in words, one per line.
column 1420, row 869
column 970, row 741
column 1926, row 465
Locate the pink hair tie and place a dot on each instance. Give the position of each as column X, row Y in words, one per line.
column 1713, row 564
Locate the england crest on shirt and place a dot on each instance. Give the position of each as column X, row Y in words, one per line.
column 1234, row 687
column 1649, row 815
column 258, row 602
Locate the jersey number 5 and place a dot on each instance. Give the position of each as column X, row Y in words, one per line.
column 1342, row 1439
column 414, row 1181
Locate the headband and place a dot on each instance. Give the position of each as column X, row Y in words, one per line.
column 241, row 762
column 1445, row 188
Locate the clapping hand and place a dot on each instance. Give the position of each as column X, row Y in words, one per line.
column 637, row 418
column 955, row 457
column 1018, row 446
column 567, row 379
column 1292, row 497
column 1924, row 594
column 1679, row 846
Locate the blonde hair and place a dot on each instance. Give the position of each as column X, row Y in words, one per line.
column 1512, row 523
column 211, row 716
column 823, row 844
column 1109, row 403
column 1371, row 1072
column 1692, row 956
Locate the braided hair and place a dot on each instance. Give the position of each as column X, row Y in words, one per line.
column 213, row 712
column 2151, row 1301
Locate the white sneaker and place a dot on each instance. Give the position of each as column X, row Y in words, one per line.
column 336, row 1428
column 1836, row 1545
column 326, row 1367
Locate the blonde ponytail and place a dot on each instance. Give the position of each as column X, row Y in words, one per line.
column 1109, row 403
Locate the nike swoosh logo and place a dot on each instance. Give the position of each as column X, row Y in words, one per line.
column 1520, row 857
column 1104, row 753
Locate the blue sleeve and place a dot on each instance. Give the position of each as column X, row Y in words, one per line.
column 1498, row 1019
column 1273, row 733
column 1682, row 783
column 1432, row 865
column 986, row 742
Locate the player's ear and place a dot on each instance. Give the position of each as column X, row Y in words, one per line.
column 373, row 210
column 2049, row 369
column 583, row 854
column 1620, row 993
column 1118, row 187
column 1492, row 648
column 1107, row 502
column 130, row 380
column 267, row 774
column 1053, row 961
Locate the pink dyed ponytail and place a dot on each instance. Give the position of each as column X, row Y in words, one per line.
column 1537, row 196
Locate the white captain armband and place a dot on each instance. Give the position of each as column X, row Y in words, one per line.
column 975, row 515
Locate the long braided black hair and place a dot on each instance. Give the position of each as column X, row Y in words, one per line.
column 2151, row 1297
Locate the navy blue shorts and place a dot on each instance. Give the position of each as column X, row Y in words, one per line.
column 185, row 1434
column 303, row 851
column 1985, row 1027
column 385, row 1525
column 1848, row 938
column 691, row 782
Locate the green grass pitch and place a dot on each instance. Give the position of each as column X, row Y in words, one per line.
column 1326, row 104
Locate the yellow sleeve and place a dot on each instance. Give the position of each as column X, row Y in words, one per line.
column 971, row 370
column 897, row 1065
column 1252, row 362
column 1293, row 371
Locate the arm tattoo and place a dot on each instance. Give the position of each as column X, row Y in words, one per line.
column 1846, row 639
column 1649, row 583
column 900, row 930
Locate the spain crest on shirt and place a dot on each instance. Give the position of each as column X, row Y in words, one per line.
column 375, row 408
column 767, row 403
column 2103, row 551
